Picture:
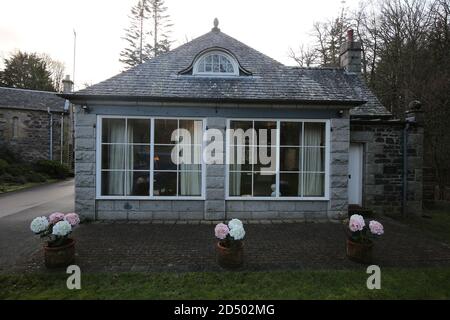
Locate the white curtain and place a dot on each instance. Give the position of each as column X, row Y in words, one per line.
column 129, row 159
column 313, row 160
column 235, row 177
column 190, row 181
column 116, row 156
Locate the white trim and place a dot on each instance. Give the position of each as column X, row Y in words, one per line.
column 216, row 74
column 99, row 170
column 326, row 196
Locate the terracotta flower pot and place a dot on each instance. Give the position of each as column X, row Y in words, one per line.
column 230, row 258
column 359, row 252
column 60, row 256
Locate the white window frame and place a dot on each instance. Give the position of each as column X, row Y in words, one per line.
column 216, row 74
column 326, row 196
column 98, row 158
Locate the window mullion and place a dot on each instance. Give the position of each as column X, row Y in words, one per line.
column 152, row 155
column 277, row 161
column 302, row 148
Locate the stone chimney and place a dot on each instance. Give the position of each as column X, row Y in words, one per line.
column 350, row 54
column 67, row 84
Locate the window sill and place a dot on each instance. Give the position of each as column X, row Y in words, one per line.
column 147, row 198
column 276, row 199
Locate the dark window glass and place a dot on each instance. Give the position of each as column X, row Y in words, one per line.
column 164, row 129
column 290, row 133
column 113, row 156
column 289, row 185
column 290, row 159
column 163, row 158
column 140, row 157
column 138, row 130
column 165, row 183
column 240, row 184
column 140, row 182
column 264, row 185
column 113, row 183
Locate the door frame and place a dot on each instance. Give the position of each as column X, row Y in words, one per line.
column 362, row 147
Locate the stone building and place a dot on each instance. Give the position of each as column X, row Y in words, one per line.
column 334, row 144
column 35, row 125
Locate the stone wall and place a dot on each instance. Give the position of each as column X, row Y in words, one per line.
column 383, row 165
column 32, row 140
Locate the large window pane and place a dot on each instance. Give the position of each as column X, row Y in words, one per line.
column 164, row 129
column 190, row 183
column 290, row 184
column 266, row 158
column 266, row 132
column 138, row 130
column 113, row 183
column 113, row 130
column 314, row 159
column 139, row 183
column 314, row 185
column 165, row 183
column 290, row 133
column 315, row 134
column 241, row 158
column 113, row 156
column 190, row 157
column 290, row 159
column 163, row 158
column 264, row 185
column 195, row 128
column 240, row 184
column 140, row 157
column 243, row 133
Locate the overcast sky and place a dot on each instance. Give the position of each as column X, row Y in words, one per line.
column 269, row 26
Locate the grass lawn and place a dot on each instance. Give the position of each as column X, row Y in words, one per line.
column 9, row 187
column 332, row 284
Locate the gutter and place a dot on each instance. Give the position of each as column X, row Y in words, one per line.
column 80, row 98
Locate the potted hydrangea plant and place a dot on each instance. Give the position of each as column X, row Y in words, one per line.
column 230, row 247
column 359, row 244
column 59, row 249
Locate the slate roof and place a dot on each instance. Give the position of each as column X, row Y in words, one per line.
column 30, row 99
column 269, row 80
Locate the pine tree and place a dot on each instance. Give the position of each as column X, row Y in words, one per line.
column 148, row 34
column 137, row 36
column 161, row 27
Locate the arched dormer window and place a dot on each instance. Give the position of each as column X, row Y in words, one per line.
column 216, row 63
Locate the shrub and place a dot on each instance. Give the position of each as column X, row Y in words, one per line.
column 53, row 169
column 3, row 165
column 35, row 177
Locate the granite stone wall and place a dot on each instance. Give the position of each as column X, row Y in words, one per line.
column 383, row 165
column 32, row 141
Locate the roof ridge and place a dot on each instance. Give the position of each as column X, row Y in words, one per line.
column 30, row 90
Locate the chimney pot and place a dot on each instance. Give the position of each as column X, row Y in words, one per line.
column 67, row 84
column 350, row 35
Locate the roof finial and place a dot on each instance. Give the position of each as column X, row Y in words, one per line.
column 216, row 25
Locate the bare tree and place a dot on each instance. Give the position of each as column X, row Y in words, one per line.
column 304, row 57
column 56, row 69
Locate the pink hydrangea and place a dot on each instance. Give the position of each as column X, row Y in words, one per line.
column 221, row 231
column 55, row 217
column 356, row 223
column 376, row 227
column 72, row 218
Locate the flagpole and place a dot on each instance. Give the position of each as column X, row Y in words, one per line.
column 74, row 57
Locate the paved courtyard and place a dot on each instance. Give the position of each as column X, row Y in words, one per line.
column 144, row 246
column 125, row 246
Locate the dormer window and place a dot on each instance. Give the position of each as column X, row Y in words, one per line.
column 216, row 63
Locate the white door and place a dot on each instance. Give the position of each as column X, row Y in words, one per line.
column 355, row 174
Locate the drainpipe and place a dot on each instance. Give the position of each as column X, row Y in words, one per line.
column 405, row 169
column 50, row 133
column 62, row 136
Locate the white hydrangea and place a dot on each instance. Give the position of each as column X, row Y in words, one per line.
column 39, row 224
column 238, row 233
column 62, row 228
column 235, row 223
